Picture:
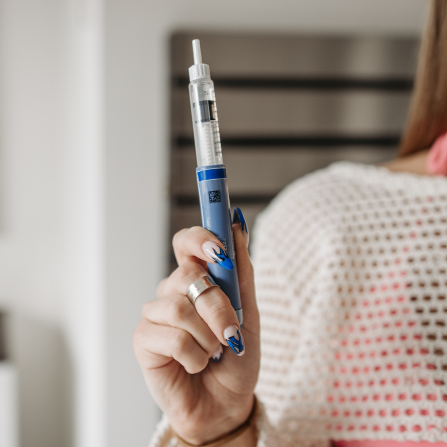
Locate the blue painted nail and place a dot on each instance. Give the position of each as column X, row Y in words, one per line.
column 238, row 217
column 217, row 254
column 218, row 354
column 234, row 339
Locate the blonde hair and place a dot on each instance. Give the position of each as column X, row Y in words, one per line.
column 427, row 117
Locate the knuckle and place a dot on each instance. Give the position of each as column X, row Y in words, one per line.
column 177, row 236
column 180, row 342
column 198, row 365
column 178, row 309
column 189, row 270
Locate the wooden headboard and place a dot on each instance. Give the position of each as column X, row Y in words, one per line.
column 287, row 104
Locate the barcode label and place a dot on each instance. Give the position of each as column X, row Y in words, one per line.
column 214, row 196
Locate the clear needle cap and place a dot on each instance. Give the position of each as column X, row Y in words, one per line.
column 198, row 70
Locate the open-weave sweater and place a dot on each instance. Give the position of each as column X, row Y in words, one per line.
column 351, row 279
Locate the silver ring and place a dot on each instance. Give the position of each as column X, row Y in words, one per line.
column 198, row 287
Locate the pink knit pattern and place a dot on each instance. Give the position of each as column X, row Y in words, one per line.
column 373, row 443
column 351, row 267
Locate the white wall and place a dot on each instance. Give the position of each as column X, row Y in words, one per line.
column 83, row 160
column 85, row 313
column 51, row 209
column 32, row 140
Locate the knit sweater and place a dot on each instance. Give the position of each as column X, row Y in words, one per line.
column 351, row 280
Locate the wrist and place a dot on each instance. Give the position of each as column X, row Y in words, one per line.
column 233, row 431
column 248, row 438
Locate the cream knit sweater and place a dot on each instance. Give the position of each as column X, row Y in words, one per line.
column 351, row 278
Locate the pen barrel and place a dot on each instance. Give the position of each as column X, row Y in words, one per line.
column 216, row 217
column 205, row 122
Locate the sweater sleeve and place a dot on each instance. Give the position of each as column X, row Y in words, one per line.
column 268, row 435
column 286, row 259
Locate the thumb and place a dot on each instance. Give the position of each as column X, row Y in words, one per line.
column 245, row 272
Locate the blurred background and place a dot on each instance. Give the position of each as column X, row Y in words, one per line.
column 97, row 170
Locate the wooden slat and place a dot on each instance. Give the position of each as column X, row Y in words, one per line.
column 238, row 54
column 305, row 83
column 265, row 174
column 296, row 142
column 278, row 112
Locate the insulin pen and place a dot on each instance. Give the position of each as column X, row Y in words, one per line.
column 212, row 177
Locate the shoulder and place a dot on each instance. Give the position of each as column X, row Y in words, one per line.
column 340, row 199
column 315, row 197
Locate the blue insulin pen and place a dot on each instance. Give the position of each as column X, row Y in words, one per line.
column 211, row 174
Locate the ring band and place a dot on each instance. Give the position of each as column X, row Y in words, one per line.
column 199, row 286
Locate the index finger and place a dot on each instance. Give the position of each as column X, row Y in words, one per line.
column 212, row 305
column 196, row 244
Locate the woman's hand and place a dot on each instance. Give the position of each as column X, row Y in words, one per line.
column 175, row 342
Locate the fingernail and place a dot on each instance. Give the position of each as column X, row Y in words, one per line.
column 218, row 354
column 234, row 339
column 217, row 255
column 238, row 217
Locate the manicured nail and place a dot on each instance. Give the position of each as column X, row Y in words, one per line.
column 218, row 354
column 238, row 217
column 217, row 254
column 234, row 339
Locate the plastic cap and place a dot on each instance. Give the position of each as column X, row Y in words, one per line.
column 198, row 70
column 196, row 51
